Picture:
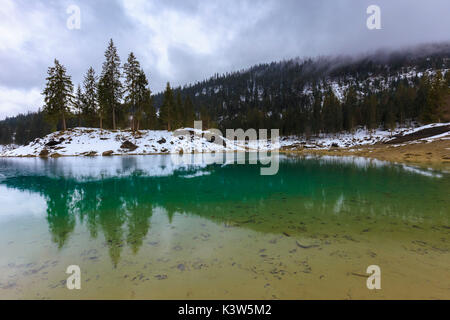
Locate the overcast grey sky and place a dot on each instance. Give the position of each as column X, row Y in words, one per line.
column 183, row 41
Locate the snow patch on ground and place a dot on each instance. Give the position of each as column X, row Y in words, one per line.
column 6, row 148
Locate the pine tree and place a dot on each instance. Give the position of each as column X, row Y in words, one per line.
column 90, row 87
column 330, row 111
column 132, row 71
column 447, row 78
column 390, row 118
column 431, row 96
column 371, row 112
column 317, row 110
column 339, row 121
column 6, row 135
column 422, row 100
column 143, row 98
column 178, row 111
column 205, row 117
column 349, row 109
column 404, row 101
column 111, row 86
column 437, row 93
column 149, row 111
column 58, row 93
column 103, row 97
column 189, row 114
column 167, row 108
column 79, row 104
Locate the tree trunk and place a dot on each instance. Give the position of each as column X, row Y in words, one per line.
column 114, row 118
column 101, row 123
column 64, row 122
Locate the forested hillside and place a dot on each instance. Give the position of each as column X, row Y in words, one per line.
column 298, row 96
column 24, row 128
column 329, row 94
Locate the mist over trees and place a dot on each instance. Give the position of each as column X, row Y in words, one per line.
column 299, row 96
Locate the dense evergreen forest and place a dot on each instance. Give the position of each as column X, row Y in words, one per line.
column 298, row 96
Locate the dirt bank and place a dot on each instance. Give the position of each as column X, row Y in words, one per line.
column 435, row 153
column 426, row 133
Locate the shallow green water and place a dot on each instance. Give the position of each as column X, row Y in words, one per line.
column 145, row 227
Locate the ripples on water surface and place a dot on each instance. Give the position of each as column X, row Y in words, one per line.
column 151, row 227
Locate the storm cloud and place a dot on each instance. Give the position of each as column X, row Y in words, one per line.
column 183, row 41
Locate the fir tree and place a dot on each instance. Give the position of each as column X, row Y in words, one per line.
column 189, row 114
column 205, row 117
column 104, row 101
column 79, row 104
column 111, row 86
column 90, row 87
column 422, row 101
column 167, row 109
column 143, row 98
column 178, row 111
column 330, row 111
column 6, row 134
column 132, row 76
column 390, row 118
column 437, row 93
column 370, row 105
column 431, row 96
column 317, row 111
column 58, row 93
column 339, row 121
column 447, row 79
column 149, row 111
column 349, row 109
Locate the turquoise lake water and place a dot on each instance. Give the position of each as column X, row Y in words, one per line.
column 162, row 227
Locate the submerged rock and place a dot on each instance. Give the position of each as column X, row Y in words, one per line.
column 305, row 246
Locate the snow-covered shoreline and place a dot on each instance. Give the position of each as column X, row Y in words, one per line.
column 361, row 137
column 96, row 142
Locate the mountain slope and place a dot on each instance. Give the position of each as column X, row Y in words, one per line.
column 270, row 95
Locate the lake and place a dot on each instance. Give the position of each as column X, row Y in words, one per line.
column 181, row 227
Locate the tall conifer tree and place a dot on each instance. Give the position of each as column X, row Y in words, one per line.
column 167, row 109
column 189, row 114
column 90, row 87
column 58, row 93
column 79, row 104
column 111, row 86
